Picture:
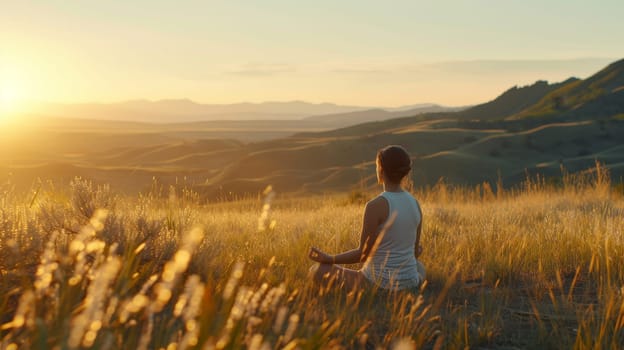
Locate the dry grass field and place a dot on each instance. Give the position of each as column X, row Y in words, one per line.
column 539, row 266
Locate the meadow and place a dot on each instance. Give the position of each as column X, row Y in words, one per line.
column 537, row 266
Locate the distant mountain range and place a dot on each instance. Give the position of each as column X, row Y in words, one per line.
column 350, row 118
column 532, row 129
column 184, row 111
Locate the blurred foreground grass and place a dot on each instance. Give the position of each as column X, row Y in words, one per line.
column 538, row 266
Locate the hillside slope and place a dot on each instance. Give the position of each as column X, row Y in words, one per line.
column 513, row 101
column 461, row 156
column 599, row 96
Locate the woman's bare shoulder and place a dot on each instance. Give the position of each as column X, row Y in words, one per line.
column 378, row 205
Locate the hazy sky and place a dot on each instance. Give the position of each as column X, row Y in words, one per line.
column 383, row 53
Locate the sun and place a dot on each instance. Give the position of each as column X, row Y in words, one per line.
column 9, row 100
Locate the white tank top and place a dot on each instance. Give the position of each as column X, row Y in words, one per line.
column 393, row 265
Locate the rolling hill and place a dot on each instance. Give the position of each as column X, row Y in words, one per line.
column 513, row 101
column 599, row 96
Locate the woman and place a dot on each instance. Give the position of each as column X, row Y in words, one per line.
column 389, row 243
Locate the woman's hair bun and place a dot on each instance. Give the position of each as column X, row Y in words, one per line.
column 395, row 162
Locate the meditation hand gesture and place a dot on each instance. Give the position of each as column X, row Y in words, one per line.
column 319, row 256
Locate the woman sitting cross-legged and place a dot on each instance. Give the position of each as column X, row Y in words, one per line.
column 389, row 242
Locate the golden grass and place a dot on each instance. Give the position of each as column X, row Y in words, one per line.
column 539, row 266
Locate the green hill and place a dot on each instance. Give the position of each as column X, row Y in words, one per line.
column 513, row 101
column 599, row 96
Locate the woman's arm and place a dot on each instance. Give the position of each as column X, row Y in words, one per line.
column 417, row 247
column 349, row 257
column 375, row 213
column 352, row 256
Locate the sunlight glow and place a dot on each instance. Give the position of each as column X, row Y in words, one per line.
column 10, row 99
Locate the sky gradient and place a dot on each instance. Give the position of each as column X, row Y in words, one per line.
column 368, row 53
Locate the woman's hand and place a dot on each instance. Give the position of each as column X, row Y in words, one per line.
column 320, row 256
